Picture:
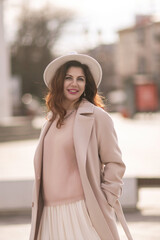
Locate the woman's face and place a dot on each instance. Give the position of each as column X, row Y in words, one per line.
column 74, row 84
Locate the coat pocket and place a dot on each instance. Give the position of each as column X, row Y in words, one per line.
column 110, row 196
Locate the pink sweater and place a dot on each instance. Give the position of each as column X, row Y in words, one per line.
column 61, row 179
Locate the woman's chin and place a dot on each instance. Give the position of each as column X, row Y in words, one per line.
column 72, row 98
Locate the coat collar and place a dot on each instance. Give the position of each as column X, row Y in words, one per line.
column 85, row 107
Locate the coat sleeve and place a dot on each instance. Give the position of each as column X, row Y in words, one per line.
column 110, row 157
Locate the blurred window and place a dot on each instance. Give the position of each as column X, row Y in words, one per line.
column 157, row 57
column 142, row 65
column 156, row 37
column 140, row 35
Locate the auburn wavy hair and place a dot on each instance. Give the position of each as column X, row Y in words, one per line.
column 55, row 95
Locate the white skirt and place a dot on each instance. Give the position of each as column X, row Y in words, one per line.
column 66, row 222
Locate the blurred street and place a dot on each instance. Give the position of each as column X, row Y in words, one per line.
column 139, row 142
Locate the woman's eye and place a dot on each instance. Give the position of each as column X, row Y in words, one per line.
column 67, row 77
column 81, row 79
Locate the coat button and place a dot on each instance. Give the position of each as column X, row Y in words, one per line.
column 32, row 204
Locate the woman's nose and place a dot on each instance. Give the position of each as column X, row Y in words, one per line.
column 74, row 81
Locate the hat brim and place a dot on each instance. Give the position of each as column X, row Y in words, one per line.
column 53, row 66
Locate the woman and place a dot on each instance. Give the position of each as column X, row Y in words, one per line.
column 78, row 165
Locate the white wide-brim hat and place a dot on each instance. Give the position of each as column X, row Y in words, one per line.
column 53, row 66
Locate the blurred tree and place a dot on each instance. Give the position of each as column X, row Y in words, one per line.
column 31, row 50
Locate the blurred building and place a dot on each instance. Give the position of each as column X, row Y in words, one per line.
column 138, row 49
column 131, row 67
column 138, row 60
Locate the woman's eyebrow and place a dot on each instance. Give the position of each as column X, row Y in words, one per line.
column 82, row 76
column 67, row 74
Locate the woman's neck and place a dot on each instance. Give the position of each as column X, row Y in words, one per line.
column 69, row 105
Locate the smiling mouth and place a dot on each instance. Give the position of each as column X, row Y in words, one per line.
column 72, row 91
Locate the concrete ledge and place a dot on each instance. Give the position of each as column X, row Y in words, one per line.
column 16, row 196
column 129, row 196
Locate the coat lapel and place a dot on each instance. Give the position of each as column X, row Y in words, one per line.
column 82, row 130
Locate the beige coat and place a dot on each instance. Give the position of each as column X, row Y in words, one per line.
column 101, row 171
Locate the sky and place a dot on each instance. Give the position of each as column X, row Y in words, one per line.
column 106, row 16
